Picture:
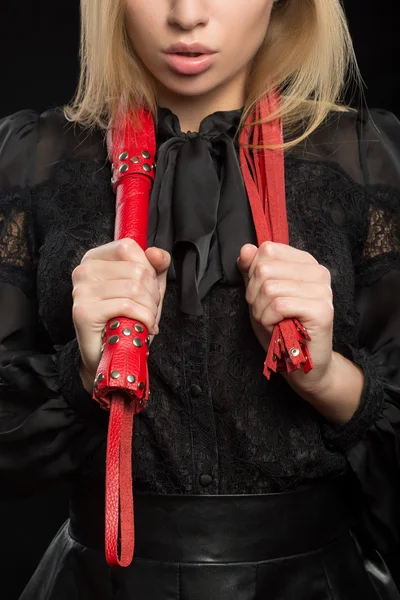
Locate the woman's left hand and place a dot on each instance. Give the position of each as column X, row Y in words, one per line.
column 283, row 282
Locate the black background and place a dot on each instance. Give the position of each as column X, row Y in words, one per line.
column 39, row 42
column 39, row 67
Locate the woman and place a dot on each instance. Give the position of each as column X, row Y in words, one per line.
column 245, row 488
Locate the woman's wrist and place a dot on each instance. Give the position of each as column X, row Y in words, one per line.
column 338, row 393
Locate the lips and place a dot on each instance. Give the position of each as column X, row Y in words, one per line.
column 192, row 48
column 189, row 59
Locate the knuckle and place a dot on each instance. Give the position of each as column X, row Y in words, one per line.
column 125, row 248
column 88, row 255
column 80, row 273
column 278, row 305
column 261, row 270
column 267, row 249
column 76, row 292
column 269, row 288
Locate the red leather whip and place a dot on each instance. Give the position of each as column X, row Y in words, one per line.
column 264, row 176
column 122, row 383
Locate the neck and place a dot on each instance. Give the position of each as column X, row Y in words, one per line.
column 191, row 110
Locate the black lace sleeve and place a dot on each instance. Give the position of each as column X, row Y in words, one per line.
column 371, row 440
column 42, row 435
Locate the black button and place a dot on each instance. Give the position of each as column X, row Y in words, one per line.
column 205, row 479
column 195, row 390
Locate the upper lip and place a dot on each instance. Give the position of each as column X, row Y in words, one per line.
column 181, row 48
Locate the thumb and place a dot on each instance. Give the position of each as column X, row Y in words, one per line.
column 246, row 257
column 159, row 259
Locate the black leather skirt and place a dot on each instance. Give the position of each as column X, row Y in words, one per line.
column 289, row 546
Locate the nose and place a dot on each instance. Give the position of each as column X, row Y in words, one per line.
column 188, row 14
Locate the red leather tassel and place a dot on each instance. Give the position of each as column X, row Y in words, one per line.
column 264, row 177
column 122, row 386
column 288, row 349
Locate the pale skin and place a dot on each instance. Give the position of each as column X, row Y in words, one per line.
column 120, row 279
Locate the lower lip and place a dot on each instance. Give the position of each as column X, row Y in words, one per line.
column 190, row 65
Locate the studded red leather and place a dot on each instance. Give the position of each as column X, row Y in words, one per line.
column 122, row 383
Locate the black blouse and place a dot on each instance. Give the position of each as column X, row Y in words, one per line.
column 214, row 424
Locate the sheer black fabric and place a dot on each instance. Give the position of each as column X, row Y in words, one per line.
column 212, row 412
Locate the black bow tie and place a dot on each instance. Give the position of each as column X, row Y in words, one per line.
column 199, row 210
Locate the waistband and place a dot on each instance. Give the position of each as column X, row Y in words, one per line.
column 220, row 529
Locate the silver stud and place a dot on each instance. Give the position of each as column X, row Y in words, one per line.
column 114, row 339
column 131, row 378
column 115, row 374
column 98, row 378
column 137, row 342
column 147, row 168
column 146, row 154
column 123, row 168
column 139, row 328
column 274, row 357
column 112, row 168
column 123, row 156
column 153, row 166
column 135, row 159
column 148, row 341
column 115, row 325
column 141, row 385
column 294, row 352
column 140, row 402
column 127, row 331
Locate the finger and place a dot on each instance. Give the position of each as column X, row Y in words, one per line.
column 272, row 289
column 125, row 249
column 271, row 251
column 99, row 313
column 246, row 257
column 103, row 270
column 318, row 313
column 160, row 259
column 280, row 270
column 148, row 295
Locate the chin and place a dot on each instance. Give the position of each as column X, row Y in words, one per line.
column 190, row 86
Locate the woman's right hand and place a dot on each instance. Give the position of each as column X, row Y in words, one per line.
column 117, row 279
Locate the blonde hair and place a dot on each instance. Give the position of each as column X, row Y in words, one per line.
column 307, row 54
